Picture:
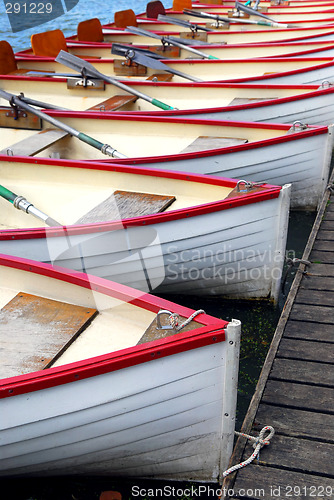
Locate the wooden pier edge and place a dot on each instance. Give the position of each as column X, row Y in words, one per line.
column 246, row 428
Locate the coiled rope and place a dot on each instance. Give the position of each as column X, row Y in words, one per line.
column 258, row 443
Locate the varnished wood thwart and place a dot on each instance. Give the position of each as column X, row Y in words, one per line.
column 114, row 103
column 36, row 143
column 204, row 143
column 35, row 331
column 161, row 77
column 125, row 204
column 121, row 68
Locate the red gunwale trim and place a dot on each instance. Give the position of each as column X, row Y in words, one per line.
column 270, row 192
column 213, row 331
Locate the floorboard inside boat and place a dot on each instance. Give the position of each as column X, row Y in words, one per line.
column 34, row 331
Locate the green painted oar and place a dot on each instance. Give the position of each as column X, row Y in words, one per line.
column 104, row 148
column 21, row 203
column 253, row 12
column 80, row 65
column 169, row 41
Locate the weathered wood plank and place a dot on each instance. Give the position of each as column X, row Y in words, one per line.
column 266, row 483
column 34, row 331
column 125, row 204
column 328, row 226
column 324, row 234
column 302, row 455
column 323, row 245
column 321, row 270
column 322, row 257
column 309, row 372
column 204, row 143
column 296, row 423
column 36, row 143
column 299, row 396
column 309, row 330
column 317, row 297
column 308, row 312
column 306, row 349
column 317, row 283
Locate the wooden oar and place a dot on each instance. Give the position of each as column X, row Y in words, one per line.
column 79, row 65
column 21, row 203
column 150, row 62
column 169, row 41
column 217, row 18
column 104, row 148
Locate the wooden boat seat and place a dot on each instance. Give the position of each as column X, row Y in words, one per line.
column 34, row 144
column 203, row 143
column 114, row 103
column 49, row 43
column 153, row 9
column 161, row 77
column 124, row 18
column 35, row 331
column 182, row 4
column 125, row 204
column 90, row 31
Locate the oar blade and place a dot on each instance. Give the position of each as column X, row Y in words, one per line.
column 77, row 64
column 142, row 32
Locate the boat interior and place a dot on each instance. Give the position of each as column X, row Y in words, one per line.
column 56, row 322
column 100, row 195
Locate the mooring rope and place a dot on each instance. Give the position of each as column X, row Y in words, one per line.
column 258, row 443
column 174, row 319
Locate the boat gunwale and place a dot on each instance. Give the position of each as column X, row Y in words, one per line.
column 270, row 192
column 212, row 331
column 317, row 90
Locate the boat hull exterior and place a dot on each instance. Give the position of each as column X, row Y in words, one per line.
column 234, row 253
column 304, row 164
column 168, row 418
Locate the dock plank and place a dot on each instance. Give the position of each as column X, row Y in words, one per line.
column 296, row 423
column 311, row 331
column 278, row 484
column 299, row 396
column 317, row 297
column 297, row 454
column 308, row 372
column 306, row 349
column 308, row 312
column 317, row 283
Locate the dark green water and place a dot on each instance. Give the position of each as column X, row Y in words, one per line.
column 258, row 326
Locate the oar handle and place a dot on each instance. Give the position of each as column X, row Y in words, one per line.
column 21, row 203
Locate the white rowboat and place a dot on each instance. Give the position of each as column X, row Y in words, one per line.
column 94, row 386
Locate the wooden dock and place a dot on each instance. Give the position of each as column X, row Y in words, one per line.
column 295, row 392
